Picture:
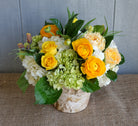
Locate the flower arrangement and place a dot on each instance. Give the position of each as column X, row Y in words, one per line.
column 78, row 57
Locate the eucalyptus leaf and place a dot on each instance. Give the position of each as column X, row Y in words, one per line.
column 122, row 59
column 44, row 93
column 22, row 82
column 111, row 75
column 91, row 85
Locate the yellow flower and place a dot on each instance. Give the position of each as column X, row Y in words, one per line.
column 74, row 20
column 96, row 40
column 49, row 47
column 93, row 67
column 112, row 56
column 83, row 47
column 49, row 30
column 49, row 61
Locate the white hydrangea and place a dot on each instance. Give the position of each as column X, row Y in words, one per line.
column 103, row 80
column 58, row 40
column 33, row 71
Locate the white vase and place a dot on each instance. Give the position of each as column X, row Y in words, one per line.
column 72, row 101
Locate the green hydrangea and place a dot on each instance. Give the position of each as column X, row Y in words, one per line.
column 67, row 74
column 35, row 40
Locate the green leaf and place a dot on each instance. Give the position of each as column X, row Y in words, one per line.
column 57, row 23
column 108, row 41
column 122, row 59
column 37, row 58
column 84, row 27
column 69, row 22
column 47, row 23
column 91, row 85
column 73, row 28
column 44, row 93
column 22, row 82
column 24, row 53
column 105, row 32
column 111, row 75
column 99, row 28
column 112, row 33
column 69, row 14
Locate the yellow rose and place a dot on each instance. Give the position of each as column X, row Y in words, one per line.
column 48, row 61
column 112, row 56
column 49, row 47
column 93, row 67
column 96, row 39
column 83, row 47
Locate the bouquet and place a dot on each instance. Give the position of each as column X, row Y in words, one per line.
column 67, row 64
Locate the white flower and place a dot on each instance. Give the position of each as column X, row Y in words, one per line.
column 99, row 54
column 112, row 44
column 115, row 69
column 44, row 39
column 34, row 71
column 103, row 80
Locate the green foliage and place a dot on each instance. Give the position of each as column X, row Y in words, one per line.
column 108, row 41
column 37, row 58
column 69, row 14
column 57, row 23
column 111, row 75
column 99, row 28
column 91, row 85
column 71, row 29
column 22, row 82
column 21, row 53
column 105, row 32
column 83, row 29
column 47, row 23
column 122, row 59
column 44, row 93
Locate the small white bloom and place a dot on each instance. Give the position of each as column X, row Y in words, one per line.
column 103, row 80
column 99, row 54
column 115, row 69
column 112, row 44
column 44, row 39
column 34, row 71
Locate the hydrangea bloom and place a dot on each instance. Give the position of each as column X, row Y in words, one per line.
column 67, row 74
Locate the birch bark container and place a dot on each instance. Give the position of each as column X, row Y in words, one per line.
column 72, row 101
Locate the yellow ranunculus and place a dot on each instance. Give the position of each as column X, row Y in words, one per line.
column 49, row 30
column 48, row 61
column 112, row 56
column 49, row 47
column 93, row 67
column 83, row 47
